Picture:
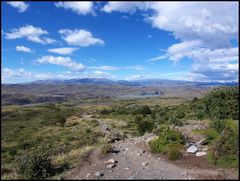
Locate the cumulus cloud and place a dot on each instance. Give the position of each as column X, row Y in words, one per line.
column 133, row 67
column 23, row 49
column 81, row 8
column 205, row 31
column 80, row 37
column 20, row 5
column 101, row 74
column 31, row 33
column 135, row 77
column 104, row 68
column 63, row 51
column 62, row 61
column 22, row 75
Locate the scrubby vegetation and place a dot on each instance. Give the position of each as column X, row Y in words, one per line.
column 64, row 134
column 169, row 142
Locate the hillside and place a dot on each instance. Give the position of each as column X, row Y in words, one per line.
column 67, row 137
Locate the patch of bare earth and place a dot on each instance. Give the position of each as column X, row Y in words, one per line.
column 134, row 161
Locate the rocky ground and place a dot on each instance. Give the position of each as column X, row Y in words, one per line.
column 134, row 161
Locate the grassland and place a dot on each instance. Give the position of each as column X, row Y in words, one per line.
column 66, row 134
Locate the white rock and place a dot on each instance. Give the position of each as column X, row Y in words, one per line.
column 126, row 149
column 88, row 175
column 127, row 168
column 201, row 153
column 192, row 149
column 98, row 174
column 111, row 165
column 111, row 161
column 144, row 164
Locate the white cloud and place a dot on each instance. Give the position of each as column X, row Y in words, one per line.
column 80, row 37
column 101, row 74
column 204, row 30
column 214, row 23
column 63, row 51
column 134, row 67
column 104, row 68
column 62, row 61
column 124, row 7
column 22, row 75
column 23, row 49
column 20, row 5
column 81, row 8
column 31, row 33
column 135, row 77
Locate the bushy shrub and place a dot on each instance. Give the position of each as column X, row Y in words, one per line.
column 225, row 150
column 36, row 165
column 173, row 151
column 106, row 148
column 166, row 137
column 143, row 125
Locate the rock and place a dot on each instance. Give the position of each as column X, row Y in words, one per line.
column 127, row 168
column 205, row 149
column 201, row 153
column 98, row 174
column 201, row 142
column 111, row 165
column 126, row 149
column 110, row 171
column 112, row 161
column 144, row 164
column 88, row 175
column 138, row 154
column 192, row 149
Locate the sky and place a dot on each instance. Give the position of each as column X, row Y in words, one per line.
column 191, row 41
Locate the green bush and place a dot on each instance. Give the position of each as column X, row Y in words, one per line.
column 35, row 166
column 144, row 125
column 165, row 137
column 225, row 150
column 106, row 148
column 173, row 151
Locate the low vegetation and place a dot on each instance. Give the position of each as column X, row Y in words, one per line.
column 62, row 133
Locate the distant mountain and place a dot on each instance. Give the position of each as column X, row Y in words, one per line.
column 145, row 82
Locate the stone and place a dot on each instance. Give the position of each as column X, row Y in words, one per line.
column 144, row 164
column 201, row 153
column 112, row 161
column 98, row 174
column 127, row 168
column 88, row 175
column 138, row 154
column 111, row 165
column 126, row 149
column 201, row 142
column 192, row 149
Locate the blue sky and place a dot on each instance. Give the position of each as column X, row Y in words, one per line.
column 119, row 40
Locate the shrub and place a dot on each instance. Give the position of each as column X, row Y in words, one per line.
column 145, row 110
column 144, row 125
column 173, row 151
column 106, row 148
column 35, row 166
column 166, row 137
column 225, row 149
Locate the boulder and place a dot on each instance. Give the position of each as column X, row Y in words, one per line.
column 201, row 153
column 144, row 164
column 98, row 174
column 111, row 161
column 111, row 165
column 201, row 142
column 192, row 149
column 88, row 175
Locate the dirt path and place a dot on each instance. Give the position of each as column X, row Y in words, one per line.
column 134, row 161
